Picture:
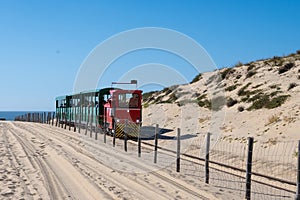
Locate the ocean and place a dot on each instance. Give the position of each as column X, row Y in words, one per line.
column 10, row 115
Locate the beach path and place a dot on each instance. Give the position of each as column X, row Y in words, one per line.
column 39, row 161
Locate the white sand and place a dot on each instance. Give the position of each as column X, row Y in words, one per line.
column 39, row 161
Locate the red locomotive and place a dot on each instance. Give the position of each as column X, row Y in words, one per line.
column 123, row 112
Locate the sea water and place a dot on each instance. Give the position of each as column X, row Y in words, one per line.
column 11, row 115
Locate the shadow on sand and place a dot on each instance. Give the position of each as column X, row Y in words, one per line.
column 148, row 133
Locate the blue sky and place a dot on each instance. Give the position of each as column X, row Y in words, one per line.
column 44, row 43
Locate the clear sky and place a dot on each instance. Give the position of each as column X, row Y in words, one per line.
column 44, row 43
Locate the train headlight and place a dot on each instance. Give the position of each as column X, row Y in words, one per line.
column 137, row 121
column 118, row 120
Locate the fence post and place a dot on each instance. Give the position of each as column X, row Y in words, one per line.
column 53, row 116
column 207, row 158
column 96, row 126
column 47, row 118
column 75, row 117
column 60, row 118
column 155, row 143
column 104, row 133
column 65, row 127
column 178, row 151
column 96, row 117
column 114, row 133
column 57, row 115
column 92, row 120
column 298, row 174
column 61, row 121
column 70, row 118
column 139, row 141
column 80, row 116
column 87, row 121
column 249, row 168
column 65, row 120
column 125, row 135
column 104, row 125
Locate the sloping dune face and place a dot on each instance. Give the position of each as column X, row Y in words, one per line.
column 259, row 99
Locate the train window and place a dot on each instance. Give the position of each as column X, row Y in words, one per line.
column 62, row 103
column 70, row 102
column 128, row 100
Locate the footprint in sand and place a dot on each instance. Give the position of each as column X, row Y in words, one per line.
column 7, row 192
column 11, row 186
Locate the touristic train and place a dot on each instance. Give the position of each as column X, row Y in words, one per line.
column 113, row 110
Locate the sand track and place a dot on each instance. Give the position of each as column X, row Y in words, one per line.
column 45, row 162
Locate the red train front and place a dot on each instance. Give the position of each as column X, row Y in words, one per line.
column 123, row 112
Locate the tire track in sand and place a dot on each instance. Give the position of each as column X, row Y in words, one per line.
column 164, row 179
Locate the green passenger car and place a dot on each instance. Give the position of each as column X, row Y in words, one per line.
column 78, row 108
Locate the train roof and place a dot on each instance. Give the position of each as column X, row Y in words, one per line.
column 89, row 92
column 94, row 92
column 61, row 97
column 130, row 90
column 97, row 91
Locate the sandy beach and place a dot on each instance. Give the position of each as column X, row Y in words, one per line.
column 40, row 161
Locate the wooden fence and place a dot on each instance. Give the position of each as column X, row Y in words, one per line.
column 245, row 174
